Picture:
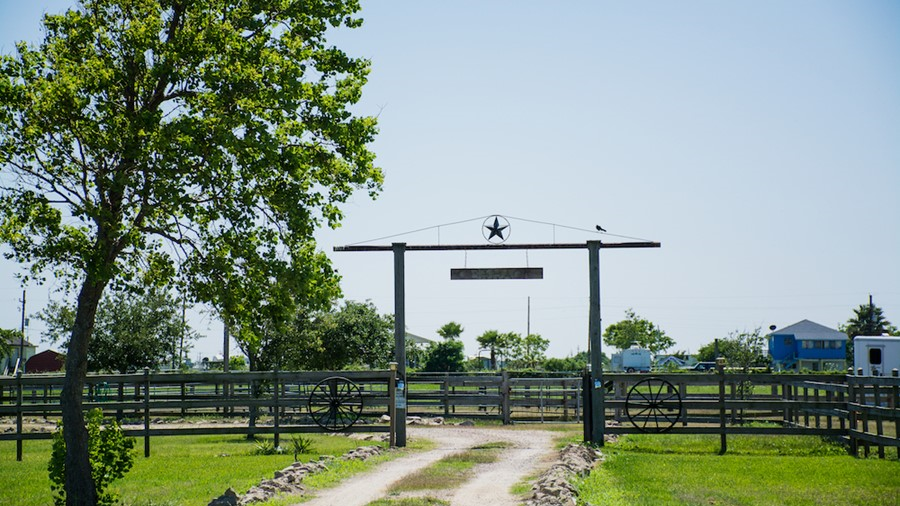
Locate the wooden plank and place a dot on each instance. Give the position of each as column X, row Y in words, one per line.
column 875, row 439
column 627, row 428
column 497, row 273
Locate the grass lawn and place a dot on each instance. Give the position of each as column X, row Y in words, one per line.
column 756, row 471
column 182, row 470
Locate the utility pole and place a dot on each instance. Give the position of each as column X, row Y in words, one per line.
column 225, row 357
column 22, row 337
column 528, row 326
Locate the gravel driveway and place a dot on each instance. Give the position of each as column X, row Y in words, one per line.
column 529, row 452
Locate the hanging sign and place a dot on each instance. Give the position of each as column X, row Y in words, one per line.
column 498, row 273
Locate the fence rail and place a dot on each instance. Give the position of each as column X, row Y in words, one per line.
column 863, row 411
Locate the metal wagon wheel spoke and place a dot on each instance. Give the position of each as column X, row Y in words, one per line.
column 335, row 403
column 653, row 405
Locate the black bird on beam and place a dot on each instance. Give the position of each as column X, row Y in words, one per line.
column 600, row 229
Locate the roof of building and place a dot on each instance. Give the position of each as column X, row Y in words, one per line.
column 418, row 339
column 806, row 330
column 17, row 341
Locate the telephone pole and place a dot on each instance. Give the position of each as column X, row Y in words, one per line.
column 22, row 337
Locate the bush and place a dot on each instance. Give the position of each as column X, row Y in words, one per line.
column 110, row 453
column 267, row 447
column 300, row 445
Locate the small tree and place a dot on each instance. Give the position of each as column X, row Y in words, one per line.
column 867, row 320
column 499, row 345
column 532, row 349
column 450, row 330
column 111, row 456
column 7, row 338
column 446, row 356
column 449, row 354
column 740, row 349
column 636, row 330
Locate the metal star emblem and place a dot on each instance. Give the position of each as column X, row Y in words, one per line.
column 496, row 229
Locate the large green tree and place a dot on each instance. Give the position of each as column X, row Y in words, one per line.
column 636, row 330
column 350, row 335
column 131, row 331
column 147, row 141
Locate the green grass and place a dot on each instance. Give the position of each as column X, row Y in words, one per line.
column 757, row 470
column 449, row 472
column 182, row 470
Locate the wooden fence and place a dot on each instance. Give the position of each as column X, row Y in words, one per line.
column 140, row 401
column 861, row 410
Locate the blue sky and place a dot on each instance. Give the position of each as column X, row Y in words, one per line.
column 759, row 142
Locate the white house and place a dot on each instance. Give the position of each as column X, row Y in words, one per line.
column 8, row 364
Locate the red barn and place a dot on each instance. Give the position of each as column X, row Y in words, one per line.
column 46, row 361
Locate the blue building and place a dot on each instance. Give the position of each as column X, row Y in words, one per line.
column 807, row 345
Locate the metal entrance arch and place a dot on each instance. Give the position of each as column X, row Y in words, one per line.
column 594, row 321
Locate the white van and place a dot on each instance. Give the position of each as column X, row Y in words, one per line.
column 876, row 355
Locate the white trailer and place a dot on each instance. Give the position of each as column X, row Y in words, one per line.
column 876, row 355
column 633, row 359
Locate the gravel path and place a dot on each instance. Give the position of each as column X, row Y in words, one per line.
column 529, row 452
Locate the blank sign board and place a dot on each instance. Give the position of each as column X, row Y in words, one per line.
column 499, row 273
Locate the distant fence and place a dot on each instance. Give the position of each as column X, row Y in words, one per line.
column 863, row 411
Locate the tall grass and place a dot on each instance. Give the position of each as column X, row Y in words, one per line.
column 756, row 471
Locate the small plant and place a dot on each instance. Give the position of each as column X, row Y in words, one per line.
column 300, row 445
column 110, row 454
column 266, row 447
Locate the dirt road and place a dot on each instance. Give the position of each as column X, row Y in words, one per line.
column 528, row 453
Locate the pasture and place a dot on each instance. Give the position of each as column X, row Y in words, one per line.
column 679, row 469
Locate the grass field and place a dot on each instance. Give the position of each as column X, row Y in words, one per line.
column 663, row 470
column 183, row 470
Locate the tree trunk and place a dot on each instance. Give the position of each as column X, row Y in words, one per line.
column 79, row 484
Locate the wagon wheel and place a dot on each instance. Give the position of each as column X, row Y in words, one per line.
column 335, row 403
column 653, row 405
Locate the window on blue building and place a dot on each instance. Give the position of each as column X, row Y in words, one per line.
column 874, row 356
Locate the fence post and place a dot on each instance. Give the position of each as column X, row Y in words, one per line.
column 586, row 406
column 879, row 427
column 146, row 412
column 733, row 390
column 183, row 409
column 893, row 405
column 446, row 394
column 504, row 397
column 805, row 406
column 851, row 413
column 392, row 403
column 19, row 416
column 276, row 388
column 723, row 439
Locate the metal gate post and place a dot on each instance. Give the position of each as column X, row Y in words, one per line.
column 400, row 338
column 598, row 411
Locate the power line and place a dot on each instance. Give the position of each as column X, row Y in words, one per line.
column 433, row 227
